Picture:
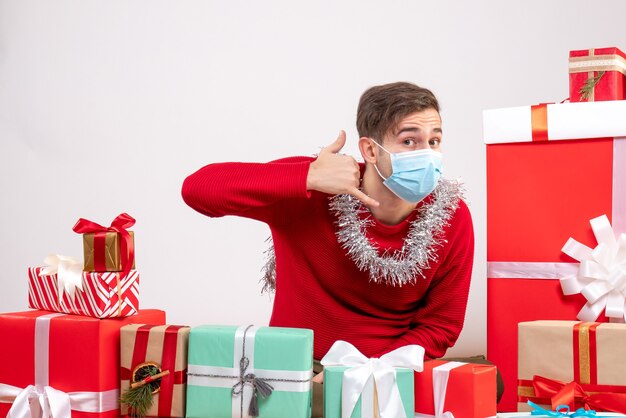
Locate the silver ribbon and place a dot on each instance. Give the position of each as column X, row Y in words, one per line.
column 244, row 378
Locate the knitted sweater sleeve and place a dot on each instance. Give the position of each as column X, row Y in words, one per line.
column 246, row 189
column 438, row 320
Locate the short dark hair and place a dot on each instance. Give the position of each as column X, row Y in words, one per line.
column 381, row 107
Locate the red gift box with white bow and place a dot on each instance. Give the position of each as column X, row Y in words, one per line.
column 551, row 169
column 65, row 366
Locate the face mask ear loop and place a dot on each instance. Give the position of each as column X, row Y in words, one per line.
column 375, row 165
column 380, row 146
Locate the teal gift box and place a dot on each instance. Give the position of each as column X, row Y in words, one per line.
column 333, row 376
column 230, row 369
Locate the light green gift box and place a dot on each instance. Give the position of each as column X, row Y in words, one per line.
column 281, row 356
column 333, row 376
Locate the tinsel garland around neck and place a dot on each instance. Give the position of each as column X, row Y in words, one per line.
column 400, row 267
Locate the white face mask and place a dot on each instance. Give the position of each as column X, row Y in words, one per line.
column 414, row 174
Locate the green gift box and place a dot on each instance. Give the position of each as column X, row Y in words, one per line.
column 333, row 376
column 231, row 368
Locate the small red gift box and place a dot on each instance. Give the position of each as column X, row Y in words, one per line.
column 68, row 363
column 466, row 390
column 597, row 74
column 102, row 295
column 550, row 169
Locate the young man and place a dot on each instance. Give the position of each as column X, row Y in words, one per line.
column 378, row 254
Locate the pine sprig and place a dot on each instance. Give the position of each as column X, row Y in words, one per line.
column 586, row 90
column 140, row 398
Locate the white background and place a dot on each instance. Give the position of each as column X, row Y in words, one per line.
column 106, row 106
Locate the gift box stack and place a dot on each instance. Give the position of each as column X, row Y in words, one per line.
column 556, row 218
column 62, row 359
column 87, row 350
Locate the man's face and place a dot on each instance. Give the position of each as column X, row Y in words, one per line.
column 419, row 130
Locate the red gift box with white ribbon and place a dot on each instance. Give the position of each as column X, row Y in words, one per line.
column 65, row 366
column 455, row 389
column 550, row 170
column 96, row 294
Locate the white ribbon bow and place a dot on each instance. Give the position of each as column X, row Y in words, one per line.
column 48, row 402
column 69, row 271
column 601, row 278
column 45, row 402
column 382, row 370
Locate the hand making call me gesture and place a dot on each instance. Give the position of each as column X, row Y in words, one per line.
column 336, row 173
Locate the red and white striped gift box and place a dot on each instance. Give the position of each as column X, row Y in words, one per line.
column 103, row 294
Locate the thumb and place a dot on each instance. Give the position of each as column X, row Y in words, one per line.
column 336, row 146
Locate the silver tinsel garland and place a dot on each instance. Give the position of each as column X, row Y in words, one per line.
column 400, row 267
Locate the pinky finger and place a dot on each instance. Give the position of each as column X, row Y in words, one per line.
column 368, row 201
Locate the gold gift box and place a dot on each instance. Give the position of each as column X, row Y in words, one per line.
column 153, row 355
column 546, row 348
column 112, row 253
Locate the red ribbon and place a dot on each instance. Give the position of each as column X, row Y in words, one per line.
column 178, row 377
column 573, row 395
column 119, row 225
column 168, row 362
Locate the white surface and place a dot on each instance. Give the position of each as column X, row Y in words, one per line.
column 106, row 106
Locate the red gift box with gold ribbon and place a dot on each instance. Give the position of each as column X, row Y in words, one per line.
column 597, row 74
column 64, row 365
column 550, row 170
column 579, row 364
column 164, row 350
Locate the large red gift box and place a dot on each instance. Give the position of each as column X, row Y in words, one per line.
column 102, row 295
column 465, row 390
column 62, row 360
column 550, row 170
column 604, row 68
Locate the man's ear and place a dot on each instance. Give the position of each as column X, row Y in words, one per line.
column 367, row 149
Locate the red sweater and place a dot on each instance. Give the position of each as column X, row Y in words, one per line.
column 317, row 285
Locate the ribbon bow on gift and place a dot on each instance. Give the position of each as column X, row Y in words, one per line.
column 381, row 369
column 46, row 402
column 69, row 271
column 119, row 225
column 602, row 274
column 573, row 395
column 560, row 411
column 260, row 387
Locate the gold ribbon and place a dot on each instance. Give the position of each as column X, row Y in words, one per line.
column 584, row 358
column 591, row 63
